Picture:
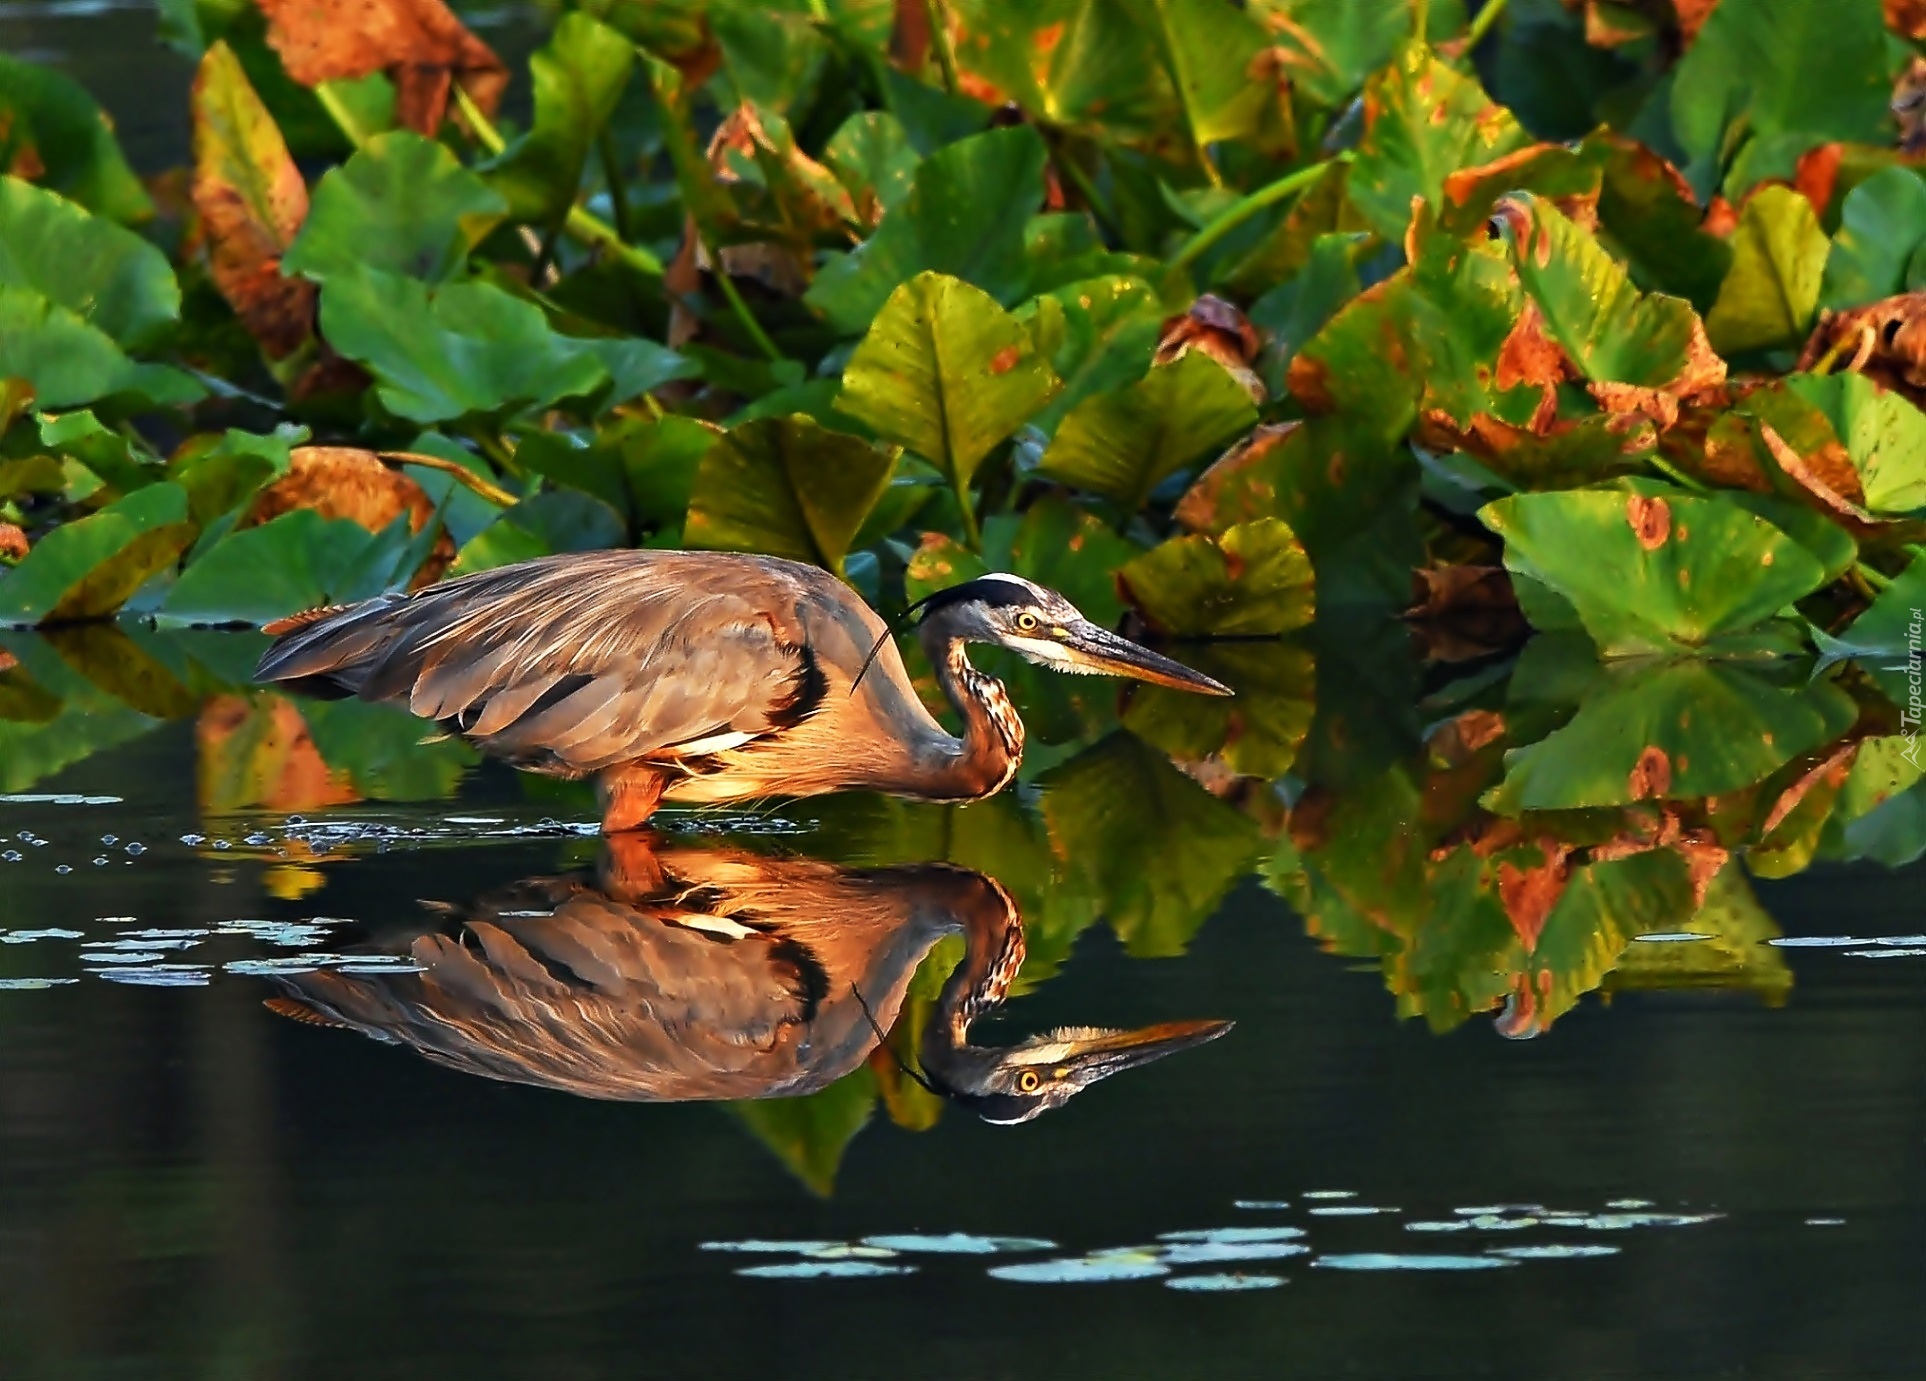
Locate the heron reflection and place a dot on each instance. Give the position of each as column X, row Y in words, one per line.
column 676, row 973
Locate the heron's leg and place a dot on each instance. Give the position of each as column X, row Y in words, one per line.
column 629, row 795
column 630, row 870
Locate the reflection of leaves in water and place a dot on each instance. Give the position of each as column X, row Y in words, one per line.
column 86, row 720
column 1157, row 849
column 809, row 1135
column 1735, row 956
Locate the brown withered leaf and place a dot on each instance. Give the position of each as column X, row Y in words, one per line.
column 420, row 44
column 251, row 201
column 1907, row 18
column 1885, row 341
column 1218, row 329
column 258, row 752
column 1198, row 509
column 1827, row 477
column 1704, row 855
column 1909, row 106
column 1692, row 15
column 1700, row 379
column 344, row 482
column 1831, row 770
column 13, row 542
column 1571, row 179
column 1463, row 613
column 1816, row 176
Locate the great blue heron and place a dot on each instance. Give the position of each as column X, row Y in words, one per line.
column 687, row 973
column 703, row 676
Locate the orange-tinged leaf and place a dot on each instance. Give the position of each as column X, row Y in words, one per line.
column 344, row 482
column 420, row 44
column 251, row 201
column 258, row 752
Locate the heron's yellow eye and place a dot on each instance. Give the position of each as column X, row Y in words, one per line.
column 1027, row 622
column 1028, row 1081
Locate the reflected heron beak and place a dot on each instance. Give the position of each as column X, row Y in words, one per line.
column 1113, row 1052
column 1088, row 647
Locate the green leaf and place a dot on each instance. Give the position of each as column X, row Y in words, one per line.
column 109, row 277
column 90, row 567
column 1331, row 46
column 564, row 520
column 871, row 155
column 403, row 205
column 1208, row 49
column 1257, row 733
column 964, row 216
column 1253, row 579
column 947, row 373
column 809, row 1135
column 1124, row 444
column 1772, row 290
column 1677, row 731
column 1796, row 72
column 52, row 133
column 383, row 751
column 1884, row 436
column 787, row 487
column 1612, row 332
column 579, row 78
column 1425, row 120
column 1881, row 227
column 1651, row 569
column 1887, row 627
column 660, row 460
column 297, row 561
column 470, row 348
column 1159, row 851
column 1646, row 208
column 71, row 364
column 1098, row 334
column 79, row 436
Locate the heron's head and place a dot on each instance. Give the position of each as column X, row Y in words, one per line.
column 1043, row 627
column 1019, row 1082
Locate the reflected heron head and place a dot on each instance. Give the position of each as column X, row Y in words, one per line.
column 1019, row 1082
column 1043, row 627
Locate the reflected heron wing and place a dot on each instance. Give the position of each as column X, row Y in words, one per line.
column 579, row 663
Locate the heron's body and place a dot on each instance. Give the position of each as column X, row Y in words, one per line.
column 701, row 677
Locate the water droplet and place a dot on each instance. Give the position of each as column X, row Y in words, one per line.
column 222, row 844
column 1554, row 1251
column 1349, row 1211
column 12, row 855
column 136, row 849
column 63, row 868
column 1260, row 1204
column 1201, row 1253
column 110, row 839
column 759, row 1244
column 1330, row 1193
column 193, row 840
column 18, row 985
column 257, row 840
column 1825, row 1222
column 100, row 862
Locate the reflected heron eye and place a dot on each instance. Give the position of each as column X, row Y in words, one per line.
column 1029, row 1081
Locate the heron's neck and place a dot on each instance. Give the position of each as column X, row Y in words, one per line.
column 993, row 953
column 992, row 733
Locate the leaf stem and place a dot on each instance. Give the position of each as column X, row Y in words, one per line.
column 1236, row 214
column 612, row 174
column 462, row 475
column 1092, row 198
column 338, row 111
column 1481, row 24
column 972, row 534
column 1420, row 16
column 580, row 225
column 939, row 16
column 750, row 325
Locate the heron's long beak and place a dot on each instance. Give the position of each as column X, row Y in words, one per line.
column 1094, row 648
column 1099, row 1057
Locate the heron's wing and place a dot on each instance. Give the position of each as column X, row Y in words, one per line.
column 600, row 999
column 577, row 663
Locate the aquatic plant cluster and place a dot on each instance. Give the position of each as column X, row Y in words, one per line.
column 1545, row 472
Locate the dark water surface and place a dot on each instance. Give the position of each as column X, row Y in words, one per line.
column 1710, row 1171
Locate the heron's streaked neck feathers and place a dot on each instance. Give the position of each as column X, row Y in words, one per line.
column 992, row 748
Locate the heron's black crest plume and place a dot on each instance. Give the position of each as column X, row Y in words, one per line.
column 993, row 588
column 882, row 1041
